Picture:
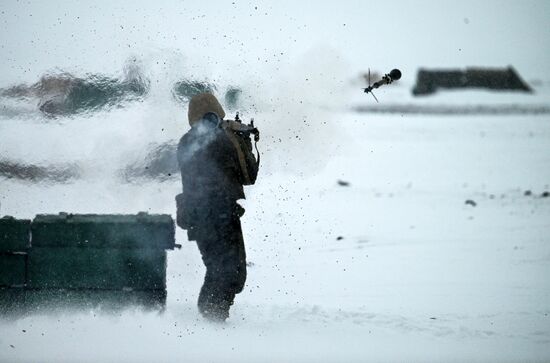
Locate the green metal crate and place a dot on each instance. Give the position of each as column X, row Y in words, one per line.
column 108, row 231
column 20, row 302
column 13, row 269
column 96, row 268
column 14, row 234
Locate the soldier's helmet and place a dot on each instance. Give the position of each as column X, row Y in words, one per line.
column 202, row 104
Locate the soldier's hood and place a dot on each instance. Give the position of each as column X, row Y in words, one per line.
column 202, row 104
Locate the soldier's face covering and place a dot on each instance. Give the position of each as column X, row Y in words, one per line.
column 210, row 119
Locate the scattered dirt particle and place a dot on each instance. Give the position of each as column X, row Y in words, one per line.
column 470, row 202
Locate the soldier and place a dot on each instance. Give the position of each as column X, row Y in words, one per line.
column 215, row 162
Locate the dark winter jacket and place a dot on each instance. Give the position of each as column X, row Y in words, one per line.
column 209, row 165
column 215, row 163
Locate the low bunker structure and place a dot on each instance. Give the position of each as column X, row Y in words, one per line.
column 429, row 81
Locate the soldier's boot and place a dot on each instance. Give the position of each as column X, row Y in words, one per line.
column 214, row 303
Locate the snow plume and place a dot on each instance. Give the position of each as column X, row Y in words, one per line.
column 204, row 135
column 291, row 104
column 295, row 112
column 133, row 70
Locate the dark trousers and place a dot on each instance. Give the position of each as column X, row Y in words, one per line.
column 221, row 245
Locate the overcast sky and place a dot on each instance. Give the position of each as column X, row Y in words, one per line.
column 239, row 37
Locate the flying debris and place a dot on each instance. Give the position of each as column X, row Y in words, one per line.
column 388, row 78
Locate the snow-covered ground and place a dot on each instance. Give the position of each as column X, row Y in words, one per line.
column 393, row 267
